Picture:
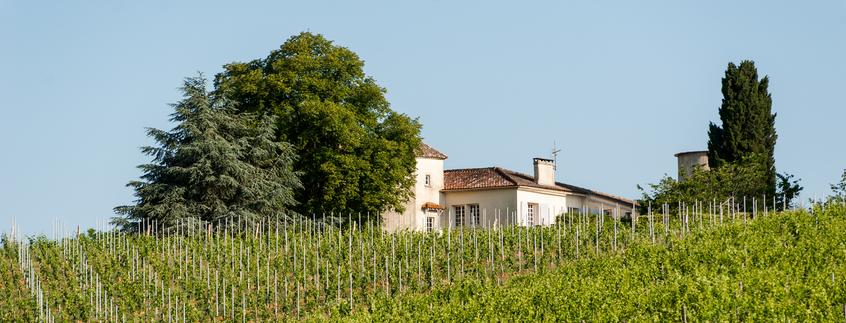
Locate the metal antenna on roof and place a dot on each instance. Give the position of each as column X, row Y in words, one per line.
column 555, row 152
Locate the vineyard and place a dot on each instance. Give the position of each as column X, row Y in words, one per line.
column 694, row 265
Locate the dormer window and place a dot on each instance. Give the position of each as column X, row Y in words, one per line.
column 428, row 180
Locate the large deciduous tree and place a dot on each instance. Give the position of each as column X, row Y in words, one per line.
column 748, row 124
column 355, row 153
column 215, row 165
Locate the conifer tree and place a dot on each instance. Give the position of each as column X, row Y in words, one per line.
column 748, row 124
column 215, row 164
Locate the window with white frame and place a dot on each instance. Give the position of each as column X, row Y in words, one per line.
column 428, row 180
column 430, row 224
column 574, row 210
column 459, row 215
column 474, row 214
column 530, row 213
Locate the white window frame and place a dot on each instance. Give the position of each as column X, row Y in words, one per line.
column 475, row 216
column 530, row 213
column 459, row 215
column 427, row 181
column 430, row 223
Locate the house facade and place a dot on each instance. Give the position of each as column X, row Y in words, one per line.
column 494, row 196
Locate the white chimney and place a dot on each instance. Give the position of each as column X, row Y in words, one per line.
column 544, row 171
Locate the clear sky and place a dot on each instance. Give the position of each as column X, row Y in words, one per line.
column 620, row 86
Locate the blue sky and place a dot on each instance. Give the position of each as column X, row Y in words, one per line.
column 620, row 86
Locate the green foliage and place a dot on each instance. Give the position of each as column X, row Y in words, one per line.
column 731, row 180
column 582, row 268
column 787, row 267
column 740, row 151
column 215, row 165
column 748, row 124
column 839, row 190
column 16, row 303
column 355, row 152
column 787, row 191
column 58, row 276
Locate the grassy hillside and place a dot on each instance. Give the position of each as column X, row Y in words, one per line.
column 16, row 303
column 697, row 267
column 790, row 266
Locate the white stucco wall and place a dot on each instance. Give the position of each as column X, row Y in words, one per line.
column 596, row 204
column 508, row 206
column 494, row 205
column 549, row 203
column 414, row 217
column 435, row 169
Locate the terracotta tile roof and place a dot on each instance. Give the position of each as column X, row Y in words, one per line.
column 474, row 178
column 497, row 177
column 427, row 151
column 528, row 180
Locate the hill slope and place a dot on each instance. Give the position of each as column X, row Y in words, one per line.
column 785, row 266
column 698, row 267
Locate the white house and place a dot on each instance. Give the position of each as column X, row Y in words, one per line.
column 494, row 196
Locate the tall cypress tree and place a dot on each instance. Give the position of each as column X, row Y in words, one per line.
column 215, row 165
column 748, row 124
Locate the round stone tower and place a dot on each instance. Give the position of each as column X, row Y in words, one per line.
column 689, row 160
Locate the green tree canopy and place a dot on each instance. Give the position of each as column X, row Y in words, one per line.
column 215, row 165
column 748, row 124
column 732, row 181
column 839, row 189
column 788, row 190
column 355, row 153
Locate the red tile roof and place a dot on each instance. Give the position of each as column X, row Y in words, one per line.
column 427, row 151
column 497, row 177
column 473, row 178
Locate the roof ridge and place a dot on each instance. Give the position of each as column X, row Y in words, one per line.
column 573, row 186
column 595, row 192
column 519, row 173
column 503, row 172
column 426, row 151
column 463, row 169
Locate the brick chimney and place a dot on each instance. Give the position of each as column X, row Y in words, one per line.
column 544, row 171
